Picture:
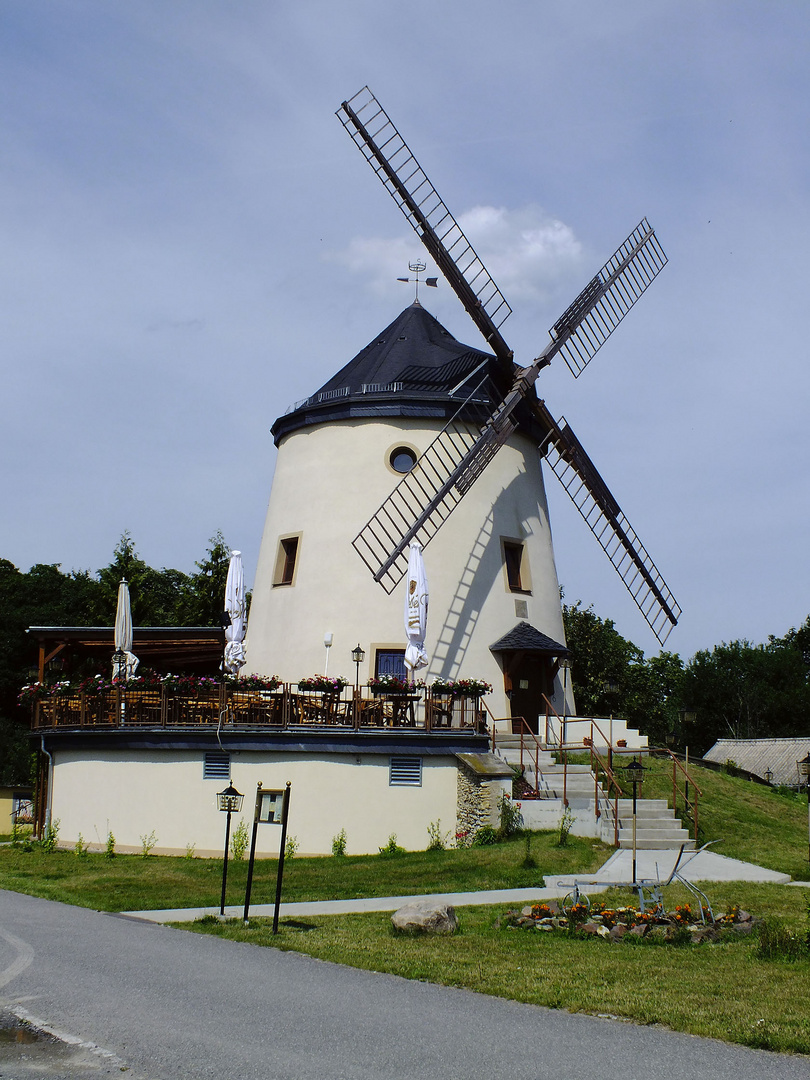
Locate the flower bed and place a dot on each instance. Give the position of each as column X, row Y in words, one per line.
column 683, row 925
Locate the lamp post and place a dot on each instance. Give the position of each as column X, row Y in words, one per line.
column 358, row 655
column 804, row 769
column 230, row 802
column 327, row 644
column 635, row 774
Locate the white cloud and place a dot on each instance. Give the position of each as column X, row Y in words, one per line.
column 532, row 257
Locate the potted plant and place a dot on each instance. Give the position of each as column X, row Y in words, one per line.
column 324, row 684
column 393, row 684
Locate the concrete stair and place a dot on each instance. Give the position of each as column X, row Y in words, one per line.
column 656, row 824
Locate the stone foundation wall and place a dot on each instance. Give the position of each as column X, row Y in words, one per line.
column 477, row 801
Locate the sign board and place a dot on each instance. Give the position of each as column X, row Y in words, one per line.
column 270, row 807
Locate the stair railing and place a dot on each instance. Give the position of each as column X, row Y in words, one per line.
column 690, row 806
column 612, row 787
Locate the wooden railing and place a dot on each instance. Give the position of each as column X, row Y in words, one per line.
column 282, row 709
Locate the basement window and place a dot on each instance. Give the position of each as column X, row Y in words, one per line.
column 286, row 561
column 216, row 766
column 405, row 772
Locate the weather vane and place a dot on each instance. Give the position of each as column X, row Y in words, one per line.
column 417, row 268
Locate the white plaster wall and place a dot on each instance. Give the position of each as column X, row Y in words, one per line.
column 329, row 480
column 164, row 792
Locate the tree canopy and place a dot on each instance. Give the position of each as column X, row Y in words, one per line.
column 46, row 596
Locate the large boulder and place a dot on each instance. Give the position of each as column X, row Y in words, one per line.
column 425, row 917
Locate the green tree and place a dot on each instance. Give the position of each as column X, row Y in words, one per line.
column 740, row 690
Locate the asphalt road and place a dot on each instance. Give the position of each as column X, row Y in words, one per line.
column 168, row 1004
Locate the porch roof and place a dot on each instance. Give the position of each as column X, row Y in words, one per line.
column 525, row 638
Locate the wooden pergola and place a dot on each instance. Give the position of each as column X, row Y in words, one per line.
column 194, row 649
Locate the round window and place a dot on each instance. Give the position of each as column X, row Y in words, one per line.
column 402, row 459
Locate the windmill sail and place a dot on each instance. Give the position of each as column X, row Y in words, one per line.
column 585, row 325
column 427, row 495
column 389, row 155
column 603, row 515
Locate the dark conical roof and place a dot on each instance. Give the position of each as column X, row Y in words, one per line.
column 413, row 368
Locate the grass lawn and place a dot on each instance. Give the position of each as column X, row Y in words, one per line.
column 724, row 991
column 132, row 883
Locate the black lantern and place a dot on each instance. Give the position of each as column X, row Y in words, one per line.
column 634, row 772
column 768, row 775
column 229, row 802
column 358, row 656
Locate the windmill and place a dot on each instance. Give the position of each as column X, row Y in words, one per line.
column 446, row 471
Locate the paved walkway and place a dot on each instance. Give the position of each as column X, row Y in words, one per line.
column 705, row 866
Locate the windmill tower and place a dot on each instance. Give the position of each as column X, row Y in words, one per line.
column 458, row 433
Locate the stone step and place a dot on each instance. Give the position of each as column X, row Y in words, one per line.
column 675, row 835
column 657, row 844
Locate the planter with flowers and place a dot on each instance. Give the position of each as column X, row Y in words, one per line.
column 323, row 684
column 460, row 688
column 395, row 686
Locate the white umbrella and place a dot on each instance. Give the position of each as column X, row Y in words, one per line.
column 235, row 607
column 416, row 610
column 123, row 633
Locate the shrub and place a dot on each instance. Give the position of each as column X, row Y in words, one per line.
column 109, row 850
column 391, row 849
column 339, row 844
column 239, row 840
column 437, row 840
column 485, row 836
column 81, row 847
column 50, row 836
column 147, row 843
column 566, row 822
column 511, row 817
column 290, row 847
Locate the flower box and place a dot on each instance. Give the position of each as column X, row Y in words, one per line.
column 323, row 684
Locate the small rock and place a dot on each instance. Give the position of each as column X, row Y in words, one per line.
column 527, row 910
column 639, row 930
column 743, row 916
column 426, row 917
column 617, row 932
column 594, row 929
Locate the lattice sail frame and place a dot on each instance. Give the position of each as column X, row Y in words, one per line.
column 381, row 144
column 425, row 497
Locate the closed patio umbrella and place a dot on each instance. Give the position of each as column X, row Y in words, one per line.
column 125, row 662
column 235, row 607
column 416, row 610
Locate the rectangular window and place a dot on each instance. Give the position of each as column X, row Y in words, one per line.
column 390, row 662
column 405, row 772
column 516, row 566
column 286, row 560
column 216, row 766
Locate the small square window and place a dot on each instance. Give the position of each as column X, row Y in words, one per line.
column 405, row 772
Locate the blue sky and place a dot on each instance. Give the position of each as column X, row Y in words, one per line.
column 191, row 243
